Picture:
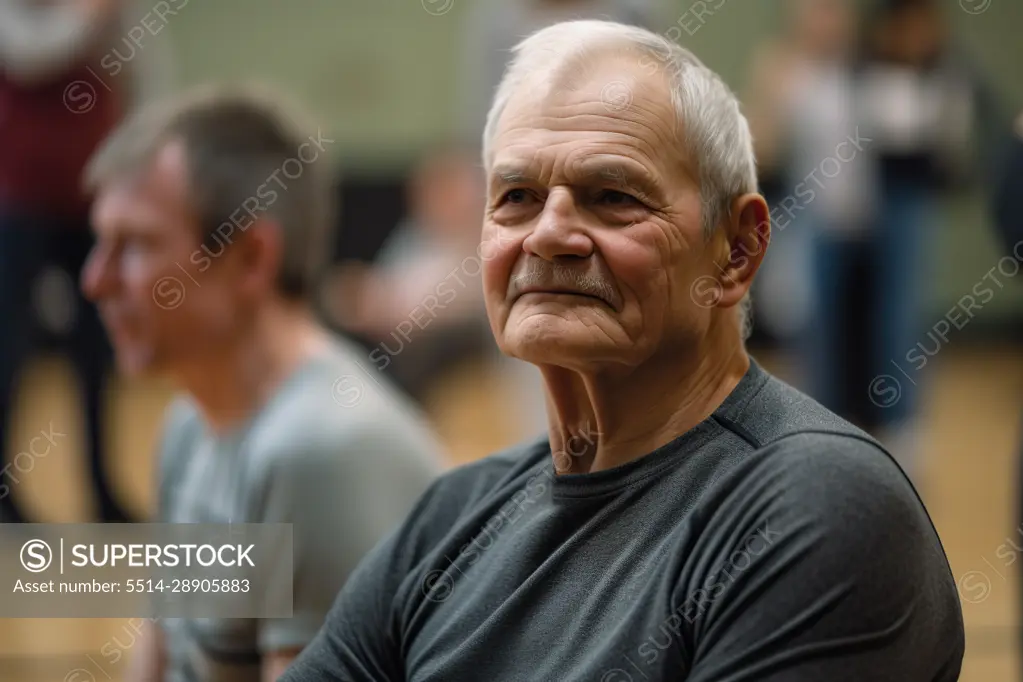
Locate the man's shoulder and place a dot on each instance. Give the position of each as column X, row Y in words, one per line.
column 338, row 408
column 814, row 461
column 825, row 458
column 775, row 411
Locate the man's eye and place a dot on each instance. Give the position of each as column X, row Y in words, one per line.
column 516, row 196
column 615, row 198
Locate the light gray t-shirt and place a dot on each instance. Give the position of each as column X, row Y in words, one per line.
column 334, row 452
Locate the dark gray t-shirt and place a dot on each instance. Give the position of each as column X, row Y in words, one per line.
column 774, row 541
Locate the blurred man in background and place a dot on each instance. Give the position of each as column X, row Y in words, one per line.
column 53, row 114
column 211, row 219
column 687, row 515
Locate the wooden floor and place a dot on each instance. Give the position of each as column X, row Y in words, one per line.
column 970, row 437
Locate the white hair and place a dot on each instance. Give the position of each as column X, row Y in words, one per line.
column 715, row 140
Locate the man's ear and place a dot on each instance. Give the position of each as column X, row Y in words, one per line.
column 748, row 229
column 261, row 256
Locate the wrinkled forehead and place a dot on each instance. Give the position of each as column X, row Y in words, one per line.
column 604, row 117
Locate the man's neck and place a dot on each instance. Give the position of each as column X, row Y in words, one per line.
column 234, row 383
column 599, row 422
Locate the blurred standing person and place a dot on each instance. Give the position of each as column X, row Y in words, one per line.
column 203, row 269
column 53, row 114
column 918, row 102
column 493, row 28
column 800, row 103
column 420, row 305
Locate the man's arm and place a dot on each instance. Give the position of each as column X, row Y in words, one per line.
column 832, row 571
column 359, row 641
column 148, row 658
column 38, row 41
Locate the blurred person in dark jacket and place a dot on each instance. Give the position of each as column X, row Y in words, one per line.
column 54, row 111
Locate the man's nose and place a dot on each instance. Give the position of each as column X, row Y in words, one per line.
column 560, row 230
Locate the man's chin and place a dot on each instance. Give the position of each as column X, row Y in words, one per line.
column 135, row 363
column 567, row 347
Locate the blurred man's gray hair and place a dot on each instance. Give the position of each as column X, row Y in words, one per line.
column 238, row 141
column 713, row 135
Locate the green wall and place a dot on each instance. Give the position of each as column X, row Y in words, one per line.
column 382, row 75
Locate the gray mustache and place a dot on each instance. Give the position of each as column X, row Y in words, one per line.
column 544, row 274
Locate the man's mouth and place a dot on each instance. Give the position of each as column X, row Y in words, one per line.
column 560, row 291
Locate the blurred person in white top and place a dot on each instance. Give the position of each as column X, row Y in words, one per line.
column 801, row 111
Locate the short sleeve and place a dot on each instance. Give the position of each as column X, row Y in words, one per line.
column 341, row 499
column 827, row 567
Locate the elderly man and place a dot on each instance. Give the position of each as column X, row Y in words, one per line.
column 688, row 516
column 210, row 218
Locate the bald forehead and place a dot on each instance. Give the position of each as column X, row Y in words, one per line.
column 606, row 108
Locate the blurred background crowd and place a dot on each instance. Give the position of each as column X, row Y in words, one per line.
column 888, row 293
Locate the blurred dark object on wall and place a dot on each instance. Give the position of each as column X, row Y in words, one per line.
column 409, row 289
column 370, row 207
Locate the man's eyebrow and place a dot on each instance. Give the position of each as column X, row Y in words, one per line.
column 508, row 174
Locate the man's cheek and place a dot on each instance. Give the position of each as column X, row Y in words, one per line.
column 639, row 270
column 498, row 258
column 495, row 284
column 499, row 245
